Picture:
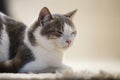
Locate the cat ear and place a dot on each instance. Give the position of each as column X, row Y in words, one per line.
column 44, row 15
column 71, row 14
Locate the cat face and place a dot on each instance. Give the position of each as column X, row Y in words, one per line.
column 58, row 29
column 67, row 37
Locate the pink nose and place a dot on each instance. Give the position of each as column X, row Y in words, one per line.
column 68, row 41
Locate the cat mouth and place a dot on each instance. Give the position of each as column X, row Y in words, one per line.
column 66, row 46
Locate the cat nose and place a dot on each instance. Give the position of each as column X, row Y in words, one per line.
column 68, row 41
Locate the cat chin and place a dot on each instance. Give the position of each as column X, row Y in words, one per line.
column 65, row 47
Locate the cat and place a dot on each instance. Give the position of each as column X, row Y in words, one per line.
column 36, row 48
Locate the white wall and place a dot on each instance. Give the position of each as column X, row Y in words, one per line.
column 98, row 25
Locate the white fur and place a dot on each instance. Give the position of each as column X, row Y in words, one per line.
column 4, row 46
column 48, row 52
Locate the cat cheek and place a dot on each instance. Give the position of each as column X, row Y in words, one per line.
column 61, row 41
column 72, row 37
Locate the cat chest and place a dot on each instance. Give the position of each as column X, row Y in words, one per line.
column 47, row 57
column 43, row 59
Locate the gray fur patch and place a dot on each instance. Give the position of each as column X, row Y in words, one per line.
column 19, row 53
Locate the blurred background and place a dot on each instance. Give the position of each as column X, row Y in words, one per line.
column 97, row 45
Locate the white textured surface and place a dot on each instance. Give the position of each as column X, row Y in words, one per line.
column 67, row 74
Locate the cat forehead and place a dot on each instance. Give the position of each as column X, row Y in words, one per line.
column 68, row 25
column 58, row 22
column 62, row 19
column 68, row 29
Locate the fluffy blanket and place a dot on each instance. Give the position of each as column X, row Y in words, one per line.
column 69, row 75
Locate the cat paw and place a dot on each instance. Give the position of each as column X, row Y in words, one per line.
column 63, row 69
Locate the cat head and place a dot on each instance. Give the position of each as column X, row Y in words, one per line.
column 57, row 28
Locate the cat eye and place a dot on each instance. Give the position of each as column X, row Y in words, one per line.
column 73, row 33
column 59, row 32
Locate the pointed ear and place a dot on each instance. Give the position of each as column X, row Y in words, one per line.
column 44, row 15
column 71, row 14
